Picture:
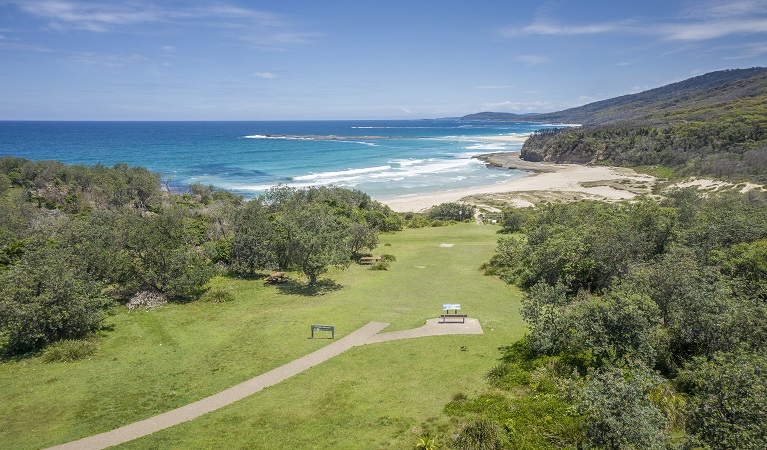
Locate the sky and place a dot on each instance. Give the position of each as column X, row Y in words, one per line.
column 360, row 59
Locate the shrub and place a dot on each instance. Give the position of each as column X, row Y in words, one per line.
column 388, row 258
column 218, row 295
column 508, row 376
column 426, row 442
column 380, row 266
column 451, row 211
column 480, row 434
column 69, row 350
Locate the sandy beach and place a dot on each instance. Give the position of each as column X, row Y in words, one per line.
column 567, row 181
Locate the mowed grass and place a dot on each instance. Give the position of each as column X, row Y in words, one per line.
column 373, row 396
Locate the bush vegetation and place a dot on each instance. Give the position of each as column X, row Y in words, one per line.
column 77, row 240
column 711, row 128
column 647, row 323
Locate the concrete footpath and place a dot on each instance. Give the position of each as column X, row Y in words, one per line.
column 368, row 334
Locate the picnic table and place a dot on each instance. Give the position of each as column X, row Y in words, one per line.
column 367, row 260
column 276, row 278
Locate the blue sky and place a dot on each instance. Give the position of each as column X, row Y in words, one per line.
column 294, row 59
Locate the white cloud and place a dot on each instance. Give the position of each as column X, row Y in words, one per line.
column 258, row 28
column 752, row 50
column 733, row 8
column 712, row 29
column 531, row 60
column 501, row 106
column 107, row 60
column 710, row 20
column 522, row 107
column 266, row 75
column 90, row 17
column 547, row 28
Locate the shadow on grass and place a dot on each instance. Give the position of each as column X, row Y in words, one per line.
column 322, row 287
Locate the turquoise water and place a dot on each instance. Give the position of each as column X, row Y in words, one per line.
column 382, row 158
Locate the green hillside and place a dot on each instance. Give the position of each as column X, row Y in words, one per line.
column 711, row 88
column 714, row 130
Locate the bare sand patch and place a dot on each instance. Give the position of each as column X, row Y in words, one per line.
column 717, row 185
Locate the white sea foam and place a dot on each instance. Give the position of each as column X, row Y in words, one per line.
column 396, row 128
column 406, row 162
column 493, row 146
column 342, row 173
column 283, row 138
column 369, row 144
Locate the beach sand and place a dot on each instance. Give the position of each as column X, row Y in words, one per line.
column 546, row 182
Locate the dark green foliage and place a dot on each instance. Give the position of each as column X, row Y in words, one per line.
column 5, row 184
column 70, row 235
column 54, row 185
column 619, row 412
column 310, row 230
column 585, row 245
column 44, row 298
column 255, row 242
column 626, row 302
column 728, row 399
column 316, row 239
column 165, row 255
column 451, row 211
column 511, row 221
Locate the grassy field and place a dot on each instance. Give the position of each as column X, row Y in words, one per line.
column 375, row 396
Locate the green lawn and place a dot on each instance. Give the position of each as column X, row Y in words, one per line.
column 369, row 397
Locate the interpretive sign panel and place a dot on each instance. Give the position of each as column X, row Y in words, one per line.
column 451, row 306
column 330, row 328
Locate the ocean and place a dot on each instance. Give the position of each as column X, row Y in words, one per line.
column 382, row 158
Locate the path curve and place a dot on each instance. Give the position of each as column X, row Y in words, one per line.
column 368, row 334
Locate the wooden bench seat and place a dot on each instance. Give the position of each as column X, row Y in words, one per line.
column 444, row 317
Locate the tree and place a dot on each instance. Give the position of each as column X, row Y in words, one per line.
column 45, row 298
column 728, row 399
column 362, row 235
column 619, row 412
column 165, row 257
column 255, row 243
column 315, row 239
column 451, row 211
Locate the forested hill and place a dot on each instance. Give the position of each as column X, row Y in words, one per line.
column 694, row 92
column 696, row 127
column 705, row 89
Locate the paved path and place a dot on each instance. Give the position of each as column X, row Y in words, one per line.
column 368, row 334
